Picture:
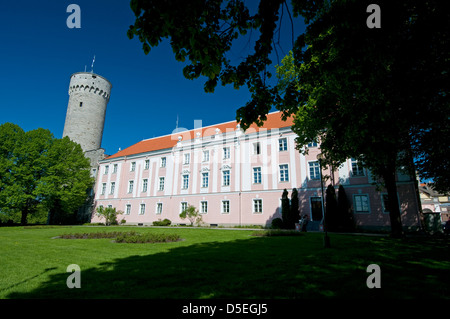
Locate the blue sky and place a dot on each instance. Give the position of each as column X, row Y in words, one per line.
column 38, row 54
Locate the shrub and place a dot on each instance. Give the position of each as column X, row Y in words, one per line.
column 165, row 222
column 277, row 223
column 277, row 232
column 126, row 237
column 146, row 238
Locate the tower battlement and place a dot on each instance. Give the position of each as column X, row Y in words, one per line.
column 89, row 95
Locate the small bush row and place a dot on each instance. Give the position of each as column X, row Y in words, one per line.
column 147, row 238
column 276, row 232
column 164, row 222
column 126, row 237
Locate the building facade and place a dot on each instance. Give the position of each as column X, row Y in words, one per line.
column 236, row 178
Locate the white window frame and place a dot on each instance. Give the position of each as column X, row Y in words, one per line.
column 142, row 209
column 205, row 179
column 147, row 164
column 359, row 169
column 183, row 203
column 203, row 207
column 316, row 166
column 130, row 186
column 161, row 183
column 185, row 181
column 144, row 185
column 163, row 162
column 282, row 144
column 106, row 169
column 205, row 156
column 225, row 206
column 112, row 188
column 132, row 166
column 115, row 168
column 257, row 209
column 187, row 158
column 284, row 172
column 355, row 196
column 257, row 179
column 103, row 189
column 127, row 209
column 256, row 148
column 159, row 208
column 226, row 152
column 226, row 176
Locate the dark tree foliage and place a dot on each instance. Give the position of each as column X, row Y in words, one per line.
column 294, row 213
column 345, row 215
column 285, row 208
column 378, row 95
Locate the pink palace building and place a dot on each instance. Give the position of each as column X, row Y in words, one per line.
column 236, row 178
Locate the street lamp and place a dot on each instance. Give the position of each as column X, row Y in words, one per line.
column 326, row 239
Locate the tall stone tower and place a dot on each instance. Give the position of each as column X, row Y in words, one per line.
column 88, row 97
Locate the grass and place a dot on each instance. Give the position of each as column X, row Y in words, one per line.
column 219, row 263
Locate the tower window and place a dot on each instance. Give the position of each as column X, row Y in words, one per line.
column 81, row 104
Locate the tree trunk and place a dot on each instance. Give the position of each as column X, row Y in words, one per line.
column 394, row 209
column 23, row 220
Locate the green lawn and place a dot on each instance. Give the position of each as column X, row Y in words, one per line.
column 219, row 263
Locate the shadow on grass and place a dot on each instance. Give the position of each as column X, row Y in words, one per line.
column 266, row 268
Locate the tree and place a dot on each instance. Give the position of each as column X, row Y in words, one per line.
column 332, row 219
column 109, row 214
column 344, row 211
column 38, row 170
column 192, row 214
column 294, row 214
column 380, row 95
column 285, row 209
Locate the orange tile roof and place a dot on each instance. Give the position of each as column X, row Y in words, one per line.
column 168, row 141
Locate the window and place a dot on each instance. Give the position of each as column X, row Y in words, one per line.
column 257, row 205
column 183, row 206
column 357, row 169
column 161, row 183
column 226, row 152
column 163, row 162
column 225, row 206
column 127, row 209
column 147, row 164
column 130, row 186
column 106, row 169
column 226, row 178
column 115, row 168
column 159, row 208
column 185, row 181
column 205, row 156
column 133, row 166
column 282, row 144
column 187, row 158
column 142, row 210
column 113, row 187
column 203, row 207
column 103, row 189
column 314, row 170
column 205, row 179
column 144, row 185
column 312, row 144
column 256, row 175
column 256, row 148
column 81, row 104
column 361, row 203
column 284, row 174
